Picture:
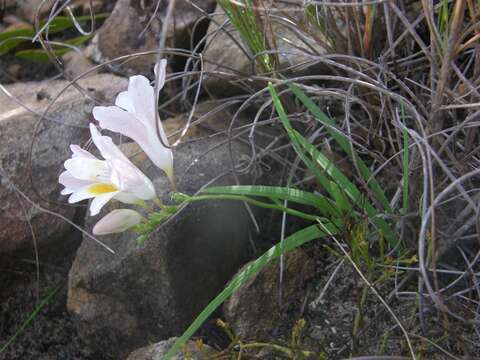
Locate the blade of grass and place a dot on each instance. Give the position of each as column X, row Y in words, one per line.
column 293, row 241
column 405, row 165
column 321, row 178
column 246, row 22
column 40, row 55
column 340, row 199
column 344, row 143
column 308, row 152
column 351, row 190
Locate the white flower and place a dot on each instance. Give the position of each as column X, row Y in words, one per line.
column 135, row 115
column 117, row 221
column 116, row 177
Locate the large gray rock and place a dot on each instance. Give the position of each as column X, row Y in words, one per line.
column 153, row 291
column 192, row 351
column 120, row 34
column 223, row 54
column 253, row 311
column 66, row 123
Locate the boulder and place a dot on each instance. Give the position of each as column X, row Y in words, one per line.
column 29, row 9
column 66, row 123
column 154, row 290
column 120, row 34
column 192, row 351
column 222, row 52
column 254, row 312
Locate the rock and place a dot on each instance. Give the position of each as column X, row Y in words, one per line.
column 154, row 290
column 192, row 351
column 253, row 310
column 222, row 53
column 67, row 123
column 76, row 63
column 29, row 9
column 120, row 34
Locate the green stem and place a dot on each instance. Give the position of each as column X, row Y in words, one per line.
column 158, row 203
column 254, row 202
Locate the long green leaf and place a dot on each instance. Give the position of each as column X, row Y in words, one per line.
column 293, row 241
column 344, row 143
column 350, row 189
column 40, row 55
column 307, row 151
column 321, row 178
column 283, row 193
column 11, row 39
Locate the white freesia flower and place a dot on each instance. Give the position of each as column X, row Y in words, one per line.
column 116, row 177
column 117, row 221
column 135, row 115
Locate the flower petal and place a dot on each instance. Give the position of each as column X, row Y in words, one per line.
column 127, row 198
column 117, row 221
column 80, row 194
column 106, row 146
column 124, row 101
column 71, row 183
column 130, row 179
column 160, row 70
column 88, row 169
column 79, row 152
column 117, row 120
column 143, row 99
column 98, row 202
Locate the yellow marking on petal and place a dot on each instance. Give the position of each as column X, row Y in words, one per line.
column 101, row 188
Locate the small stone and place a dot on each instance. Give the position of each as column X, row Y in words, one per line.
column 120, row 34
column 29, row 9
column 76, row 63
column 223, row 54
column 192, row 351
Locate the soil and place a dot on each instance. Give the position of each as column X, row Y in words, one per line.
column 330, row 310
column 52, row 334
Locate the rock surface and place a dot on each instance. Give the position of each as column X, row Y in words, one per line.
column 223, row 53
column 66, row 123
column 154, row 290
column 29, row 9
column 120, row 34
column 192, row 351
column 253, row 311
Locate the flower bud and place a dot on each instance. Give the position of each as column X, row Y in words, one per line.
column 117, row 221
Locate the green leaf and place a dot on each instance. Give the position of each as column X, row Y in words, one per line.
column 321, row 178
column 61, row 23
column 11, row 39
column 341, row 200
column 276, row 192
column 350, row 189
column 293, row 241
column 40, row 55
column 312, row 157
column 344, row 143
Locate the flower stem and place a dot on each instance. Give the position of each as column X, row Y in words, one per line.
column 158, row 202
column 265, row 205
